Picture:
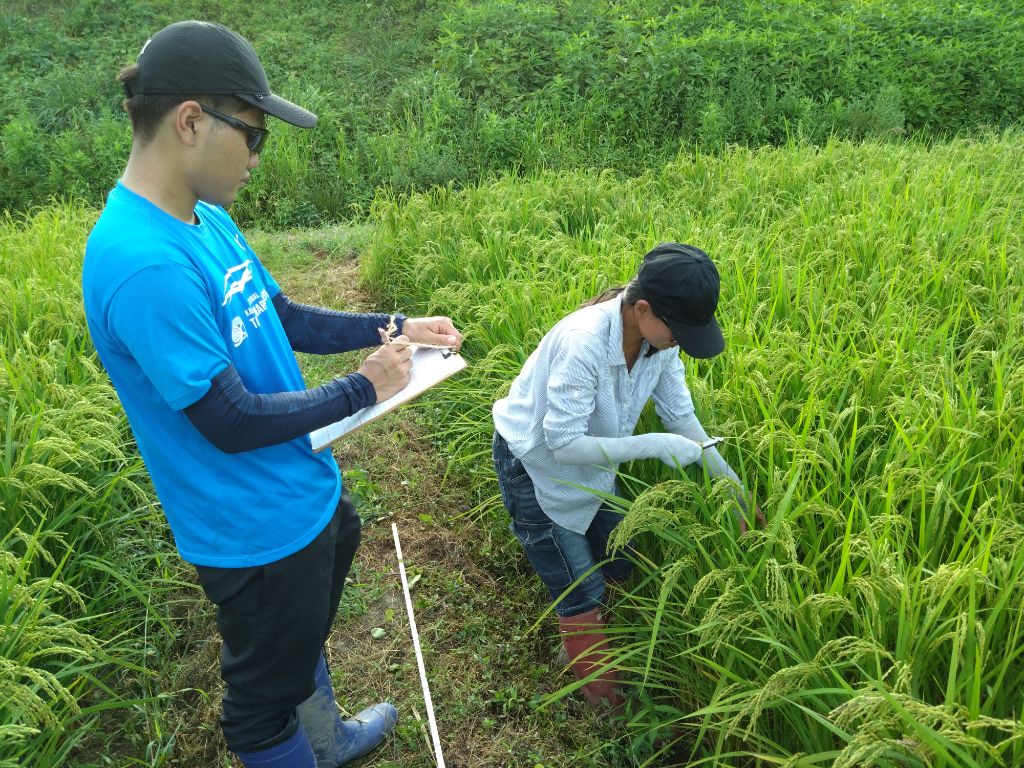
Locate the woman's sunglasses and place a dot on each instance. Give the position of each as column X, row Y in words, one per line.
column 255, row 137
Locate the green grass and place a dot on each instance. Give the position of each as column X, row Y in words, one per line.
column 870, row 390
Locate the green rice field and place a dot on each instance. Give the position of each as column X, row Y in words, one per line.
column 854, row 170
column 871, row 393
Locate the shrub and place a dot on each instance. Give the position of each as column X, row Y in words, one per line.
column 413, row 95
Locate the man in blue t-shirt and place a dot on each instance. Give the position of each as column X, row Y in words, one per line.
column 199, row 342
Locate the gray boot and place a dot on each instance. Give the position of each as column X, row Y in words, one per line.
column 336, row 741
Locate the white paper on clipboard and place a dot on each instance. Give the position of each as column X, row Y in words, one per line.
column 429, row 367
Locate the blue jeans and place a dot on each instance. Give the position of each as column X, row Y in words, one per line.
column 559, row 556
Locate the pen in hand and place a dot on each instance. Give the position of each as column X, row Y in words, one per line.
column 387, row 340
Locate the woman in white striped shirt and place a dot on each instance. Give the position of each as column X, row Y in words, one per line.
column 568, row 422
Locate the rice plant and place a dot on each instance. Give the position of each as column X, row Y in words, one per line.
column 871, row 394
column 83, row 552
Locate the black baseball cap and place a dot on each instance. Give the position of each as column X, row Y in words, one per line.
column 682, row 285
column 200, row 58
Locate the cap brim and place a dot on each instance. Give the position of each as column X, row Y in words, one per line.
column 280, row 108
column 699, row 341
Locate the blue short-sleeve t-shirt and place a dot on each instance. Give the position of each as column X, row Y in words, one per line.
column 169, row 306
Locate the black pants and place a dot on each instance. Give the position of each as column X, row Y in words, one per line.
column 274, row 620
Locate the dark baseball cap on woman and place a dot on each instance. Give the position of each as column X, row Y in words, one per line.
column 197, row 58
column 682, row 285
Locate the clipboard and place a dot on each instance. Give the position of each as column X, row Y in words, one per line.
column 430, row 366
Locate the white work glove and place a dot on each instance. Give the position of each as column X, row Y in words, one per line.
column 674, row 450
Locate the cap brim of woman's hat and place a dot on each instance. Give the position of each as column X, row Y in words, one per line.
column 699, row 341
column 280, row 108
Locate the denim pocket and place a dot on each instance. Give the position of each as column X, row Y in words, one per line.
column 509, row 470
column 532, row 533
column 544, row 553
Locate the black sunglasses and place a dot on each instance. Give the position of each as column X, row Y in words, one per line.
column 255, row 137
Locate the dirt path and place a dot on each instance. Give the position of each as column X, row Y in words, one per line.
column 474, row 602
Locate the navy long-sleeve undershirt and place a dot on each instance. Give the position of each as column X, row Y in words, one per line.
column 321, row 331
column 235, row 419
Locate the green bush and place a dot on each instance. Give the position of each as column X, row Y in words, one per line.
column 24, row 163
column 413, row 95
column 744, row 71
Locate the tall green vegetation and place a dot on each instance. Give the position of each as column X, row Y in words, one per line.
column 415, row 94
column 745, row 72
column 82, row 552
column 870, row 390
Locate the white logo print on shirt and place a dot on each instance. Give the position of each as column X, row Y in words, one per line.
column 233, row 285
column 238, row 332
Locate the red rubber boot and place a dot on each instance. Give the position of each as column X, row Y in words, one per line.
column 586, row 643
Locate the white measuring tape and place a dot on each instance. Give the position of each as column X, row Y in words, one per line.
column 419, row 654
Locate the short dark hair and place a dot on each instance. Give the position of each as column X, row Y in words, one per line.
column 146, row 112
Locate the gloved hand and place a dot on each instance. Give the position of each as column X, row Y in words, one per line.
column 676, row 450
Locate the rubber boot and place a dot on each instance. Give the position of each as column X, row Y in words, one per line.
column 293, row 752
column 336, row 741
column 585, row 640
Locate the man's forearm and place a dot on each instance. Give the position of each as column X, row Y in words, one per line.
column 322, row 331
column 235, row 419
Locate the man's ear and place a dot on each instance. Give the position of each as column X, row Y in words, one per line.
column 186, row 115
